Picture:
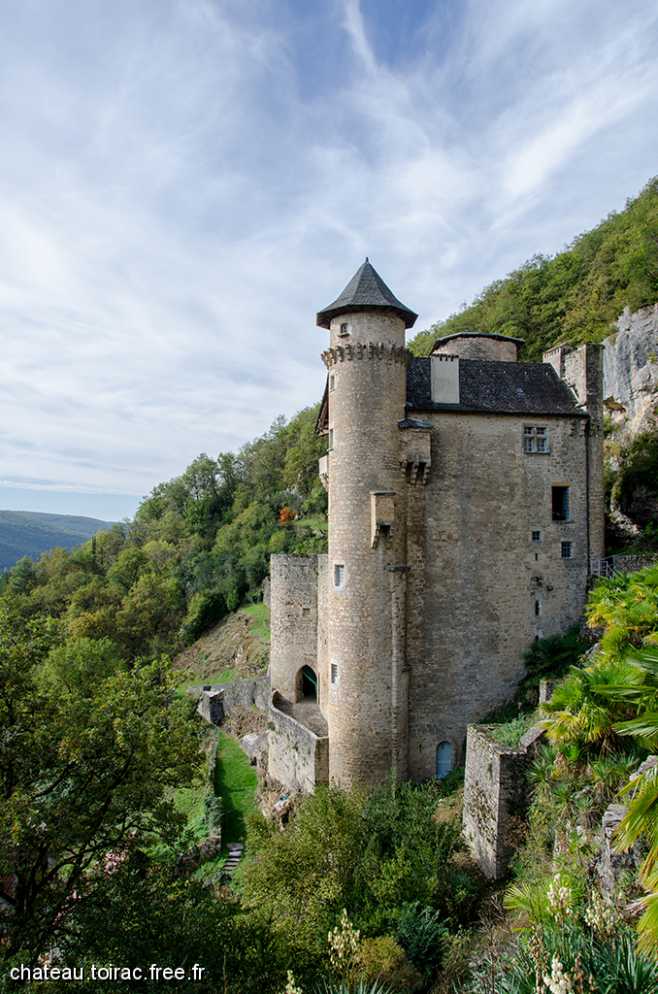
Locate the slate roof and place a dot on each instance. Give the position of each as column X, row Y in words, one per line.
column 495, row 388
column 365, row 291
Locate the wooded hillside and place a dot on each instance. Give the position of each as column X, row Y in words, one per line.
column 28, row 533
column 574, row 296
column 198, row 547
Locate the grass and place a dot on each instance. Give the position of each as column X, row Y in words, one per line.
column 235, row 783
column 511, row 732
column 220, row 676
column 260, row 619
column 189, row 801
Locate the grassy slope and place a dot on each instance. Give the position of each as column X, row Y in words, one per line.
column 237, row 647
column 235, row 782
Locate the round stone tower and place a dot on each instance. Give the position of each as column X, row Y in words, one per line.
column 366, row 362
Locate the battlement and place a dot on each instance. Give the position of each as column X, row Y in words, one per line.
column 379, row 350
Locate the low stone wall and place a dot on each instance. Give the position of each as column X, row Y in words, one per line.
column 216, row 701
column 495, row 796
column 298, row 758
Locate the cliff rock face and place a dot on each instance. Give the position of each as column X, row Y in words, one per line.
column 630, row 370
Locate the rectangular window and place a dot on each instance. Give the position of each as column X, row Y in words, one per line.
column 536, row 536
column 566, row 550
column 332, row 381
column 339, row 575
column 537, row 609
column 535, row 439
column 334, row 674
column 306, row 611
column 560, row 503
column 331, row 439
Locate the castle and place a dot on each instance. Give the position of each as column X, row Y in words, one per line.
column 465, row 505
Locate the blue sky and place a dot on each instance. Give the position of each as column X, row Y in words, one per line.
column 183, row 183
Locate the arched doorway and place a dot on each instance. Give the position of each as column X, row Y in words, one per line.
column 445, row 759
column 307, row 684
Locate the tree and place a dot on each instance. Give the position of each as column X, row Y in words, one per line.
column 86, row 769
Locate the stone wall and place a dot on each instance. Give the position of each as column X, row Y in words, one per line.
column 323, row 633
column 216, row 701
column 298, row 759
column 494, row 800
column 293, row 621
column 480, row 589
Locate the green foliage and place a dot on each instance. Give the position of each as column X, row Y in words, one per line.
column 511, row 732
column 371, row 854
column 626, row 607
column 382, row 960
column 421, row 934
column 29, row 533
column 260, row 618
column 235, row 783
column 147, row 913
column 361, row 987
column 212, row 813
column 553, row 655
column 86, row 767
column 587, row 708
column 581, row 712
column 635, row 488
column 590, row 964
column 574, row 296
column 198, row 546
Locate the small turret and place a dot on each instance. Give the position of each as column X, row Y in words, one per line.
column 479, row 345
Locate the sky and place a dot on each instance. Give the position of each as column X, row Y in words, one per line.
column 184, row 183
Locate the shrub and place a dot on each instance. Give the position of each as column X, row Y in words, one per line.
column 421, row 934
column 379, row 851
column 554, row 654
column 383, row 960
column 213, row 812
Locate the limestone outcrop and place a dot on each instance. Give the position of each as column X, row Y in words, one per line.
column 630, row 370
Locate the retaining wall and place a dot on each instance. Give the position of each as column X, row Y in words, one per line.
column 216, row 701
column 298, row 759
column 495, row 796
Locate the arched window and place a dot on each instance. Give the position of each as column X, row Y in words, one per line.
column 445, row 759
column 308, row 684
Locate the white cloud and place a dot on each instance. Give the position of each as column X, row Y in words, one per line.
column 184, row 183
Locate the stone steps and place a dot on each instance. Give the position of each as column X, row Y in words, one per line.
column 235, row 853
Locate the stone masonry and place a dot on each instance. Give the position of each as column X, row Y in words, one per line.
column 465, row 507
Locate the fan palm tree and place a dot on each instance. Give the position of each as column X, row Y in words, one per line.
column 641, row 818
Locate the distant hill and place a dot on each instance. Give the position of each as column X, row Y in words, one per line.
column 28, row 533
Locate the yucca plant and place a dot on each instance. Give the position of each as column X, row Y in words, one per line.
column 361, row 987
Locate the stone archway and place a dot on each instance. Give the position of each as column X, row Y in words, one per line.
column 307, row 685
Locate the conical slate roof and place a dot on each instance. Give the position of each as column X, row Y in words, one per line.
column 365, row 291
